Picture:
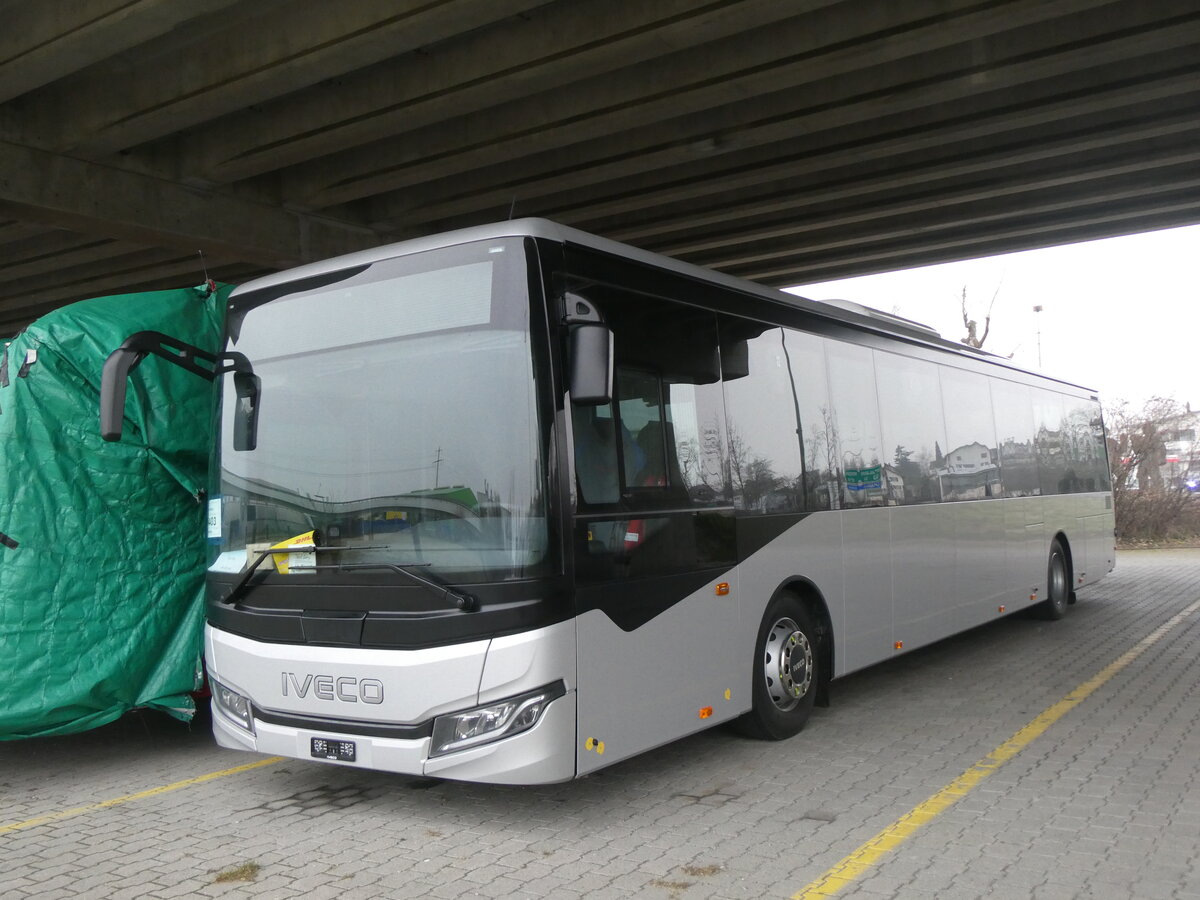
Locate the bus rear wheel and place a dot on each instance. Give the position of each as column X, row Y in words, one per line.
column 1058, row 584
column 786, row 671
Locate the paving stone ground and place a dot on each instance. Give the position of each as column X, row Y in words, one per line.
column 1105, row 804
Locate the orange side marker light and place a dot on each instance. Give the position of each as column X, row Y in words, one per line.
column 706, row 712
column 722, row 588
column 899, row 645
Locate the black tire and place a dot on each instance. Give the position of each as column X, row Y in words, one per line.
column 783, row 700
column 1058, row 584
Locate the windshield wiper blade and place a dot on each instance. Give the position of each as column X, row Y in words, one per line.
column 464, row 601
column 461, row 599
column 243, row 583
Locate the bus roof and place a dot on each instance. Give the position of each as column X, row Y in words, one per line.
column 847, row 312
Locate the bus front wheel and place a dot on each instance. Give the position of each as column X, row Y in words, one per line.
column 786, row 671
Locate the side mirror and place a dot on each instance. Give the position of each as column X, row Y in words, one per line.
column 590, row 376
column 247, row 386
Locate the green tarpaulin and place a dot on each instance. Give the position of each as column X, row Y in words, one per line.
column 102, row 544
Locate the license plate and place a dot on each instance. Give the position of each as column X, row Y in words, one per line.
column 328, row 748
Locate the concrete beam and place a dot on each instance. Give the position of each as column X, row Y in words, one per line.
column 1061, row 219
column 951, row 246
column 42, row 42
column 255, row 56
column 812, row 223
column 783, row 56
column 973, row 174
column 651, row 187
column 481, row 176
column 553, row 45
column 24, row 300
column 13, row 232
column 103, row 200
column 56, row 251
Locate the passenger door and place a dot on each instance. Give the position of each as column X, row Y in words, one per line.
column 653, row 535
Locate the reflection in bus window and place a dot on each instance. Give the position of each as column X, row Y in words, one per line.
column 856, row 408
column 970, row 469
column 805, row 357
column 914, row 433
column 764, row 434
column 1013, row 409
column 1086, row 459
column 1049, row 443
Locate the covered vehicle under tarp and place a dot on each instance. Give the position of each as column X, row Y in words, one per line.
column 102, row 549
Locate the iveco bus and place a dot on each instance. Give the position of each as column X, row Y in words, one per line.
column 513, row 503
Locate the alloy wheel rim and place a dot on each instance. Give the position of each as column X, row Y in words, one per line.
column 787, row 664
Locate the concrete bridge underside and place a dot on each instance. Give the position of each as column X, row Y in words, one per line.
column 781, row 141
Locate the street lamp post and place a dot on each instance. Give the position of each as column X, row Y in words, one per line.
column 1038, row 309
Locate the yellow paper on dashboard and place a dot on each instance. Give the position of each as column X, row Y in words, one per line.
column 294, row 562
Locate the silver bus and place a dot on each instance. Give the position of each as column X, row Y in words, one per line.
column 514, row 503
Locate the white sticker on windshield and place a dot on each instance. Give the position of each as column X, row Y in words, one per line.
column 214, row 518
column 229, row 561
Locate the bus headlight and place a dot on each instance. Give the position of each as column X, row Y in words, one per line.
column 484, row 724
column 233, row 705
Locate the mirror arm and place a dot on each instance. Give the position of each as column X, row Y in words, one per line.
column 115, row 374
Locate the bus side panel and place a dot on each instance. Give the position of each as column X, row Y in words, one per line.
column 1062, row 515
column 1022, row 542
column 810, row 550
column 647, row 686
column 866, row 534
column 1096, row 528
column 923, row 553
column 981, row 569
column 1088, row 526
column 1102, row 542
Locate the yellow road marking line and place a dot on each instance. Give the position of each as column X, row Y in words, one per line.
column 865, row 857
column 140, row 795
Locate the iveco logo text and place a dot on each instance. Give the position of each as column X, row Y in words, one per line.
column 326, row 687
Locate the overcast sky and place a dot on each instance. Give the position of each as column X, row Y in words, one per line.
column 1120, row 315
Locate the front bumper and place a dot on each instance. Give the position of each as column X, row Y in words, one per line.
column 542, row 755
column 386, row 701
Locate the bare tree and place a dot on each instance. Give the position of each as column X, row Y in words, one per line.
column 1150, row 505
column 973, row 338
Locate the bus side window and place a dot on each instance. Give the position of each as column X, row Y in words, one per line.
column 640, row 400
column 1053, row 474
column 914, row 429
column 1015, row 430
column 854, row 396
column 762, row 412
column 695, row 437
column 596, row 454
column 656, row 463
column 668, row 414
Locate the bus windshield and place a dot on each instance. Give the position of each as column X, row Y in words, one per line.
column 397, row 419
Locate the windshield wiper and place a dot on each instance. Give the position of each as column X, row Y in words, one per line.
column 462, row 600
column 239, row 588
